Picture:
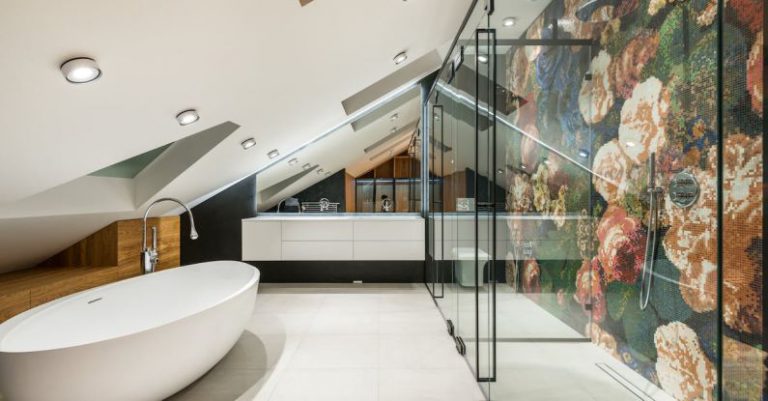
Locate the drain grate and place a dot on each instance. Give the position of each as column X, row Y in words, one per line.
column 624, row 382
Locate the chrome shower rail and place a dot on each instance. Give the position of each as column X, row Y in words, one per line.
column 646, row 281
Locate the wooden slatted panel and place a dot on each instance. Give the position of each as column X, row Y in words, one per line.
column 109, row 255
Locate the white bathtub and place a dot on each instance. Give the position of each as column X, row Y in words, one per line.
column 140, row 339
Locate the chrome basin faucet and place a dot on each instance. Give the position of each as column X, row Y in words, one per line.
column 149, row 256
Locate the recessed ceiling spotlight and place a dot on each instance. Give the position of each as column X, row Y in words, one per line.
column 509, row 21
column 248, row 143
column 187, row 117
column 293, row 162
column 80, row 70
column 483, row 58
column 306, row 166
column 394, row 117
column 629, row 144
column 400, row 58
column 273, row 153
column 320, row 171
column 393, row 130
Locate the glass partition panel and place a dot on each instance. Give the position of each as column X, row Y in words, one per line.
column 610, row 147
column 548, row 199
column 597, row 273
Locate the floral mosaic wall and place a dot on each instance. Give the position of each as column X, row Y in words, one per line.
column 652, row 90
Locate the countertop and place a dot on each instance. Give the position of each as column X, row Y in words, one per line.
column 334, row 216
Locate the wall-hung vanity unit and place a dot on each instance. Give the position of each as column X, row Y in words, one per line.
column 333, row 238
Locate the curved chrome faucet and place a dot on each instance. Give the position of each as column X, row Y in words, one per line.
column 289, row 201
column 149, row 256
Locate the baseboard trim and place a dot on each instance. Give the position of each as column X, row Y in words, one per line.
column 376, row 271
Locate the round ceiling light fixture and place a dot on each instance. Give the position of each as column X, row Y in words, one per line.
column 187, row 117
column 273, row 153
column 80, row 70
column 320, row 171
column 293, row 162
column 400, row 58
column 394, row 117
column 483, row 58
column 509, row 21
column 306, row 166
column 248, row 143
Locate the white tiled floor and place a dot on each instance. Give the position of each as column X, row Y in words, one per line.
column 389, row 343
column 564, row 371
column 517, row 315
column 355, row 342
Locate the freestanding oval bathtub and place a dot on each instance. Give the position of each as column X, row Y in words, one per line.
column 140, row 339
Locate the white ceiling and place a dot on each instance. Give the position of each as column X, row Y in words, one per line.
column 276, row 69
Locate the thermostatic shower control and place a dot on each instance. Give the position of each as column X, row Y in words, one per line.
column 683, row 189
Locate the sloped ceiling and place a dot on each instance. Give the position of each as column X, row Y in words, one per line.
column 343, row 149
column 276, row 69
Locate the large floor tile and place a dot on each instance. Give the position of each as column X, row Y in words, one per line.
column 428, row 385
column 405, row 302
column 427, row 321
column 289, row 303
column 334, row 322
column 327, row 385
column 337, row 351
column 355, row 303
column 419, row 352
column 287, row 324
column 223, row 385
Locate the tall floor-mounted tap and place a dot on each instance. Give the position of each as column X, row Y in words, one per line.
column 149, row 256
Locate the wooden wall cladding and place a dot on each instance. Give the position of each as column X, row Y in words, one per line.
column 109, row 255
column 349, row 193
column 406, row 167
column 384, row 170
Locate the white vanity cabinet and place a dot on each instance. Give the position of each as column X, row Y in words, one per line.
column 333, row 238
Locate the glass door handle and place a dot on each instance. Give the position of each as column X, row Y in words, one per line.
column 646, row 281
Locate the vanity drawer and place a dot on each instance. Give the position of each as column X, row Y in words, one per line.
column 320, row 230
column 317, row 250
column 389, row 250
column 396, row 230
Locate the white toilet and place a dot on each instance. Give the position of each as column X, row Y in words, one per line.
column 465, row 265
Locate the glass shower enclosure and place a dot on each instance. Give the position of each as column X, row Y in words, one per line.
column 588, row 180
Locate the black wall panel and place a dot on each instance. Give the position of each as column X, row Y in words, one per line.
column 218, row 221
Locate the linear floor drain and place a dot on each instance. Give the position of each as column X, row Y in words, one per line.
column 631, row 387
